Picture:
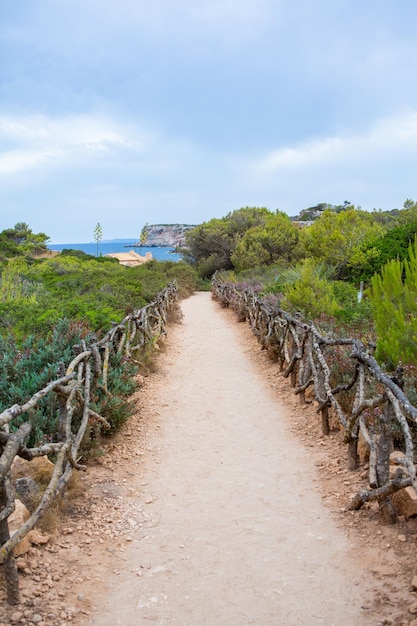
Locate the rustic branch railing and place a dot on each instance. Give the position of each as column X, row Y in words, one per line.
column 86, row 372
column 346, row 377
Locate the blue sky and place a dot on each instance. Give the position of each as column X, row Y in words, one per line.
column 170, row 111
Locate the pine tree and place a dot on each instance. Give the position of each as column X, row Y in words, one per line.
column 393, row 295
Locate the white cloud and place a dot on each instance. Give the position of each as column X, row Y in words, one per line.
column 386, row 137
column 16, row 161
column 37, row 141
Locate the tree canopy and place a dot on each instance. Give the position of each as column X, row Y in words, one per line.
column 254, row 231
column 334, row 237
column 266, row 244
column 21, row 240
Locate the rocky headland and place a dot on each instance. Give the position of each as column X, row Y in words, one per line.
column 165, row 235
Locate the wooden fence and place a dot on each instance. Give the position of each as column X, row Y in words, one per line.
column 346, row 378
column 74, row 388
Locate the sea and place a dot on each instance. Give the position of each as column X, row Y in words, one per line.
column 118, row 245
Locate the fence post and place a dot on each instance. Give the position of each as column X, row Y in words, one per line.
column 10, row 568
column 386, row 507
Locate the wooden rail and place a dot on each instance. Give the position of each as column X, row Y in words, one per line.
column 346, row 378
column 74, row 387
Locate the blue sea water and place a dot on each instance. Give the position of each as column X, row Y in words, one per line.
column 117, row 245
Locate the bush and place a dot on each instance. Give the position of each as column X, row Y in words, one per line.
column 81, row 287
column 393, row 295
column 312, row 294
column 376, row 253
column 25, row 371
column 351, row 312
column 40, row 298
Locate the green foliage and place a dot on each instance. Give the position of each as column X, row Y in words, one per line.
column 409, row 212
column 209, row 247
column 37, row 300
column 393, row 244
column 26, row 369
column 334, row 237
column 355, row 315
column 155, row 275
column 8, row 248
column 376, row 253
column 312, row 294
column 393, row 295
column 211, row 244
column 117, row 407
column 386, row 218
column 78, row 253
column 94, row 291
column 270, row 279
column 16, row 289
column 20, row 241
column 300, row 283
column 248, row 217
column 355, row 243
column 265, row 244
column 184, row 275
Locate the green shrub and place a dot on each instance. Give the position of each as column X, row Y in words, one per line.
column 393, row 295
column 81, row 287
column 312, row 294
column 37, row 300
column 26, row 370
column 351, row 311
column 374, row 254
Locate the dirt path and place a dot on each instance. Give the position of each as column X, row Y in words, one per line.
column 234, row 533
column 219, row 503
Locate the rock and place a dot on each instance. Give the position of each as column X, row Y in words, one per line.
column 395, row 456
column 170, row 235
column 16, row 616
column 37, row 538
column 39, row 469
column 414, row 583
column 405, row 502
column 413, row 608
column 23, row 547
column 402, row 538
column 395, row 464
column 21, row 564
column 27, row 490
column 18, row 517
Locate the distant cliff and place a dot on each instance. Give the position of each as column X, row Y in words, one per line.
column 167, row 235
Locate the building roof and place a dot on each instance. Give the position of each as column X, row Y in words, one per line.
column 131, row 258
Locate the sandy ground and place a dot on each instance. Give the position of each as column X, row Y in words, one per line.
column 237, row 532
column 221, row 504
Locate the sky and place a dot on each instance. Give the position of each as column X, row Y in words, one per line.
column 132, row 112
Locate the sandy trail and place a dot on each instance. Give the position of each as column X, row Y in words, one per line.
column 236, row 533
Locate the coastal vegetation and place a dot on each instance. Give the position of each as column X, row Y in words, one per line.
column 21, row 241
column 50, row 305
column 338, row 266
column 351, row 275
column 350, row 271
